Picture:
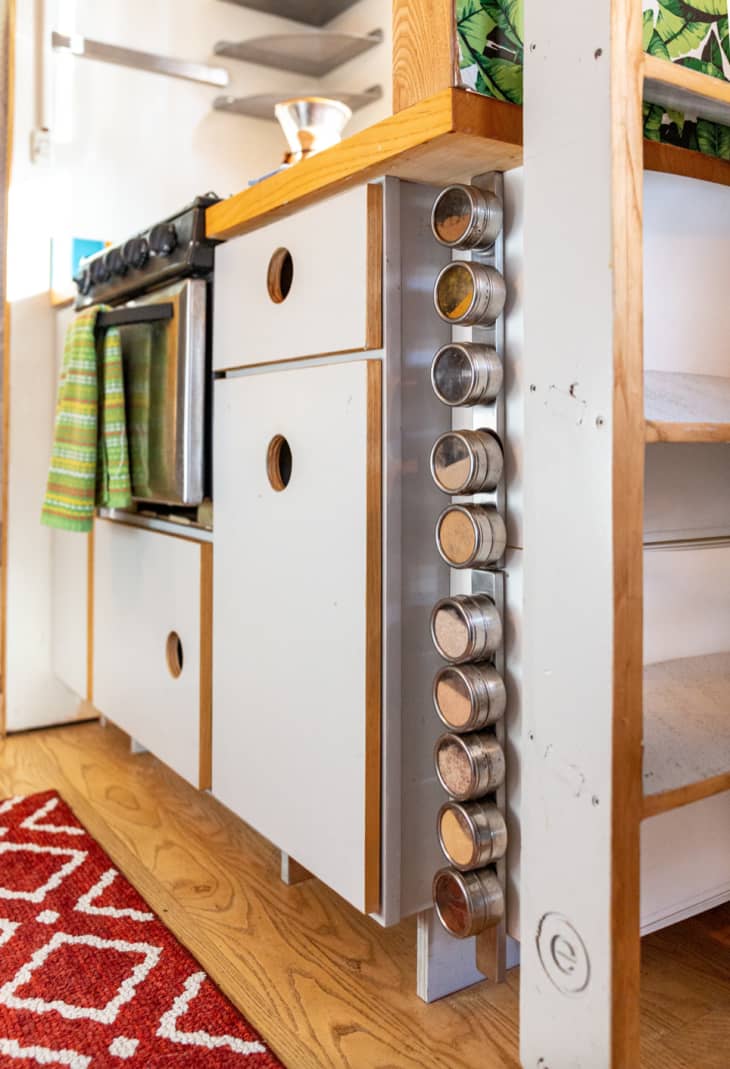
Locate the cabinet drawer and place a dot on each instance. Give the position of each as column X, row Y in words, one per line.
column 297, row 616
column 331, row 254
column 152, row 642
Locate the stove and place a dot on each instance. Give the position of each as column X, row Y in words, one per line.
column 174, row 248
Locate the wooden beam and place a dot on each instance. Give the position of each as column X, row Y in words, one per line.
column 627, row 152
column 425, row 52
column 449, row 137
column 663, row 801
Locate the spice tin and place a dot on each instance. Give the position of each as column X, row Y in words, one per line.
column 466, row 373
column 466, row 627
column 472, row 834
column 471, row 536
column 469, row 293
column 469, row 697
column 464, row 217
column 469, row 766
column 467, row 462
column 467, row 902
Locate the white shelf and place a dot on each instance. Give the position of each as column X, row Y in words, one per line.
column 686, row 408
column 313, row 54
column 686, row 730
column 262, row 105
column 311, row 12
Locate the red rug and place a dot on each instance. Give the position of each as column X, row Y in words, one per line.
column 89, row 977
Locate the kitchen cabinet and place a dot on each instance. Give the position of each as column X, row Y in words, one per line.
column 152, row 642
column 325, row 566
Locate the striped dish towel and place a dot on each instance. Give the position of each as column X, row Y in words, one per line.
column 90, row 460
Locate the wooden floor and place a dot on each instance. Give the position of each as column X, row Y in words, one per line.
column 328, row 988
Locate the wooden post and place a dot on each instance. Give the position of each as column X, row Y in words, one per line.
column 424, row 50
column 583, row 464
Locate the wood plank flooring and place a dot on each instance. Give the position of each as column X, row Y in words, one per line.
column 328, row 988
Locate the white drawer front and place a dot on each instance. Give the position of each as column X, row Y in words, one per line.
column 148, row 586
column 334, row 303
column 296, row 749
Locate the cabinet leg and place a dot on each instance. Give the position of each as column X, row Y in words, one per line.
column 292, row 872
column 444, row 964
column 136, row 747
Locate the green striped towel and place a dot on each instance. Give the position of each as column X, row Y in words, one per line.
column 90, row 459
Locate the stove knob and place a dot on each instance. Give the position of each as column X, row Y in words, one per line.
column 100, row 271
column 163, row 239
column 135, row 252
column 115, row 262
column 83, row 281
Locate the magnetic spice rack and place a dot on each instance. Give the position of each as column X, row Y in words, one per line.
column 492, row 940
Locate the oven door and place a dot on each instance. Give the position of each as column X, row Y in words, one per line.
column 165, row 383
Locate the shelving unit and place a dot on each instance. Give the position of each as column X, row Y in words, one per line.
column 686, row 408
column 262, row 105
column 686, row 731
column 313, row 54
column 608, row 742
column 310, row 12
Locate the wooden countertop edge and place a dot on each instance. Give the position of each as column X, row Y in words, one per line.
column 378, row 150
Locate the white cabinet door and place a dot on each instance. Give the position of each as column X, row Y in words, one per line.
column 302, row 286
column 297, row 616
column 152, row 642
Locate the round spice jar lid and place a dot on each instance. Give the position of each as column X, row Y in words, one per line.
column 469, row 697
column 467, row 902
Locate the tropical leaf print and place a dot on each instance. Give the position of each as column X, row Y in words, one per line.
column 695, row 33
column 491, row 48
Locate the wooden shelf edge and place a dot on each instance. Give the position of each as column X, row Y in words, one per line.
column 670, row 159
column 675, row 85
column 448, row 137
column 654, row 804
column 689, row 433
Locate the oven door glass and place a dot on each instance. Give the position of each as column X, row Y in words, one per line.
column 165, row 393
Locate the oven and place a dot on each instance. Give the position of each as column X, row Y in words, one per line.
column 164, row 337
column 156, row 289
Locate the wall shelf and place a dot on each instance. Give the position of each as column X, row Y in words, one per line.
column 311, row 12
column 262, row 105
column 675, row 86
column 686, row 731
column 686, row 408
column 186, row 70
column 671, row 159
column 313, row 54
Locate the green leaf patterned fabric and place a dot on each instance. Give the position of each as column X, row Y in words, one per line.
column 695, row 33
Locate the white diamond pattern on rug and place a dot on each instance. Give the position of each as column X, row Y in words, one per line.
column 7, row 930
column 43, row 1055
column 33, row 822
column 84, row 904
column 76, row 858
column 5, row 807
column 168, row 1025
column 121, row 1047
column 105, row 1014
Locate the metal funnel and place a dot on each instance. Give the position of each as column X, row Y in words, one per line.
column 311, row 124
